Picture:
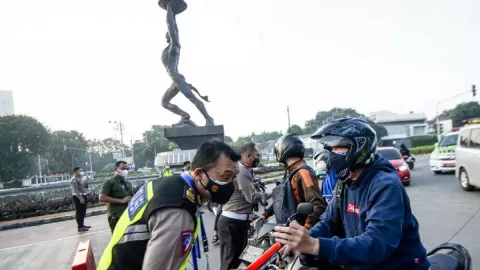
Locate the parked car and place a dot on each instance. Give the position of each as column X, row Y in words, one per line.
column 442, row 159
column 394, row 156
column 467, row 154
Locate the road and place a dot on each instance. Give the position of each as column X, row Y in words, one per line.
column 445, row 213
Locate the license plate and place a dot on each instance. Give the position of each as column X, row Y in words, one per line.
column 251, row 253
column 449, row 165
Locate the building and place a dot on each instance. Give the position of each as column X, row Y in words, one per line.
column 6, row 103
column 401, row 127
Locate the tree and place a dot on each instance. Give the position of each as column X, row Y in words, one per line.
column 22, row 139
column 461, row 112
column 295, row 129
column 227, row 139
column 156, row 142
column 61, row 160
column 323, row 117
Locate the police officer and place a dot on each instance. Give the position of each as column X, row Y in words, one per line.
column 162, row 221
column 167, row 171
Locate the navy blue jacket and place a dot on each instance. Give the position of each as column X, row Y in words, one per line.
column 381, row 231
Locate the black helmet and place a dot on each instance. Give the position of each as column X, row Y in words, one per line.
column 288, row 146
column 354, row 134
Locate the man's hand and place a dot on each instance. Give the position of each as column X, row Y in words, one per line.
column 297, row 238
column 285, row 251
column 254, row 223
column 126, row 199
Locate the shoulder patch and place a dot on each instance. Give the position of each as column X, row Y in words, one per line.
column 186, row 240
column 137, row 202
column 189, row 194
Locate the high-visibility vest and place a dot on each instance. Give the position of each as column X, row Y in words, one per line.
column 131, row 235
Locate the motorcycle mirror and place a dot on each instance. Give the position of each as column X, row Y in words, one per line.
column 303, row 210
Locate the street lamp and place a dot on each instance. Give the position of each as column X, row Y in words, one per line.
column 437, row 121
column 79, row 149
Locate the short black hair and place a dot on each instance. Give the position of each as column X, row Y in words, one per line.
column 186, row 163
column 248, row 148
column 118, row 163
column 209, row 152
column 76, row 169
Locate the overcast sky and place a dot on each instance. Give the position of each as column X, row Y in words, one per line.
column 79, row 64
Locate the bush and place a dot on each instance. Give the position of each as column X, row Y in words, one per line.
column 427, row 149
column 423, row 140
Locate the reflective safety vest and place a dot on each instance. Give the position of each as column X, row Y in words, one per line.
column 129, row 241
column 167, row 172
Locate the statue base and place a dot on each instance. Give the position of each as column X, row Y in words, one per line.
column 192, row 137
column 179, row 6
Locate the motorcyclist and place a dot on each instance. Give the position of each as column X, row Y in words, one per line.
column 369, row 224
column 404, row 150
column 330, row 180
column 289, row 151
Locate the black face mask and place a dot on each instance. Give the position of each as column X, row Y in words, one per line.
column 338, row 164
column 220, row 191
column 255, row 162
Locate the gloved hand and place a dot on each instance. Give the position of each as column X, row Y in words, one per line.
column 264, row 200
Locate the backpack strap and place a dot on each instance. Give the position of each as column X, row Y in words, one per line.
column 338, row 228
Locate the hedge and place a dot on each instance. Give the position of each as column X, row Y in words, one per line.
column 423, row 140
column 427, row 149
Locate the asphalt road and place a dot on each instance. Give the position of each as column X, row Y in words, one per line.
column 445, row 213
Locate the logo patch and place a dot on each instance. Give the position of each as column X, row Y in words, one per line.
column 214, row 188
column 352, row 208
column 137, row 202
column 186, row 239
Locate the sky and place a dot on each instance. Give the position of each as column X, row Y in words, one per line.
column 80, row 64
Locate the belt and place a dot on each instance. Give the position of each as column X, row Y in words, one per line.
column 83, row 194
column 237, row 216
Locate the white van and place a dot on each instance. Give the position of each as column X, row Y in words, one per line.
column 467, row 153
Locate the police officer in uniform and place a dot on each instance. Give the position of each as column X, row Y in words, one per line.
column 162, row 221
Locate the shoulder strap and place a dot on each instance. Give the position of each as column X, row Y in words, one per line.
column 339, row 230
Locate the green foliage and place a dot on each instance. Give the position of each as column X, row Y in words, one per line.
column 461, row 112
column 324, row 116
column 423, row 140
column 61, row 160
column 22, row 138
column 426, row 149
column 295, row 129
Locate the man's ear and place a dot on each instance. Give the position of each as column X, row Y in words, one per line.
column 197, row 173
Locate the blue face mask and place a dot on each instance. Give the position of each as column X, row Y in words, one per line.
column 337, row 162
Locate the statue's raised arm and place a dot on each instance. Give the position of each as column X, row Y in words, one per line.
column 172, row 26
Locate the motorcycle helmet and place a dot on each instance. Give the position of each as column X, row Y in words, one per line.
column 288, row 146
column 354, row 134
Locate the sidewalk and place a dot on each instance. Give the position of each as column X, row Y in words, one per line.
column 39, row 220
column 95, row 211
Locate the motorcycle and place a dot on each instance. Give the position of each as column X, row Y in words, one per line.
column 410, row 161
column 457, row 258
column 263, row 252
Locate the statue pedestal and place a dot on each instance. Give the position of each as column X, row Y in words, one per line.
column 189, row 137
column 179, row 6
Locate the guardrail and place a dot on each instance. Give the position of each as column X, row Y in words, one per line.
column 62, row 185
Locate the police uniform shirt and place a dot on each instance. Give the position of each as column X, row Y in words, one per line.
column 169, row 232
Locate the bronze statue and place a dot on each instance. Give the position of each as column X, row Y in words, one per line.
column 170, row 58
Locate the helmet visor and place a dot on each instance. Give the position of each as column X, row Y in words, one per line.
column 335, row 141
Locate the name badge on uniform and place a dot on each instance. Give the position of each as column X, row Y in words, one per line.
column 137, row 202
column 186, row 239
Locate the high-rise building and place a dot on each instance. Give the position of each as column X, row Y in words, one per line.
column 6, row 103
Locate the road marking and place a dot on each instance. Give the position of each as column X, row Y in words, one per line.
column 50, row 241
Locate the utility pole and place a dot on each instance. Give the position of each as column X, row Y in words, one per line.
column 288, row 116
column 133, row 157
column 120, row 128
column 39, row 166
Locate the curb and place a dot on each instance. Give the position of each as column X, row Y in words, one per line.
column 70, row 217
column 48, row 220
